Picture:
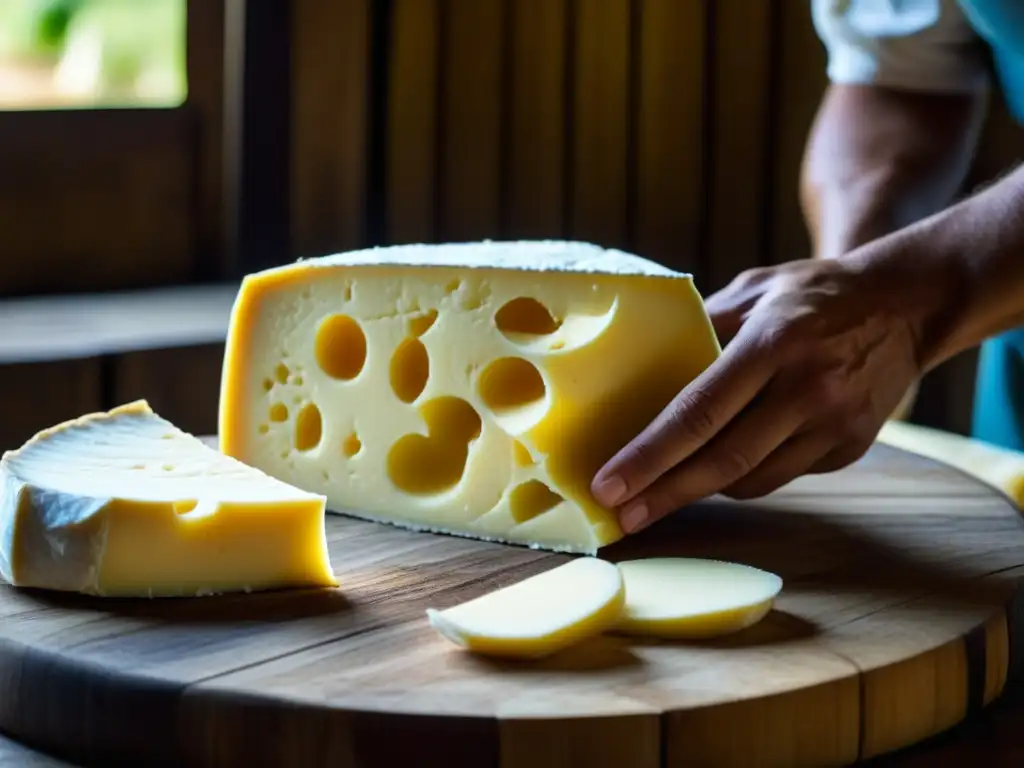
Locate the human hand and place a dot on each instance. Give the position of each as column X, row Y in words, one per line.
column 819, row 354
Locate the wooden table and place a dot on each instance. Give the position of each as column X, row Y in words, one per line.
column 898, row 620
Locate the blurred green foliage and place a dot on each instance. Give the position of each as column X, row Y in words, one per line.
column 141, row 43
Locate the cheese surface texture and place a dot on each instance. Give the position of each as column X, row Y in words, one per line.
column 123, row 503
column 471, row 389
column 540, row 615
column 690, row 598
column 993, row 465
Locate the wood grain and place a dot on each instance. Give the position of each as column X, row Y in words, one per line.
column 741, row 112
column 601, row 124
column 96, row 200
column 331, row 83
column 412, row 122
column 40, row 394
column 472, row 119
column 670, row 139
column 537, row 139
column 897, row 618
column 182, row 384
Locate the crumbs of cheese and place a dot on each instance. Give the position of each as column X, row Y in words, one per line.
column 123, row 503
column 471, row 389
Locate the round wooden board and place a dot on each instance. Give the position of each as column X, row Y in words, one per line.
column 897, row 618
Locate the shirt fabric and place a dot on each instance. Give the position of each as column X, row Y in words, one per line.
column 943, row 46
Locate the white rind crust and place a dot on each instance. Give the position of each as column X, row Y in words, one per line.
column 520, row 255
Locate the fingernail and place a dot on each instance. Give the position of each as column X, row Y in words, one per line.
column 610, row 490
column 634, row 516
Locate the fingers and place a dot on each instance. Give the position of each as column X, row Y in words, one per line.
column 789, row 461
column 734, row 453
column 693, row 418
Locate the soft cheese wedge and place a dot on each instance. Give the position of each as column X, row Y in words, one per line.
column 994, row 465
column 123, row 503
column 471, row 389
column 689, row 598
column 540, row 615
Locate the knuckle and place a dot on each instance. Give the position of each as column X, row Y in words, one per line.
column 827, row 392
column 732, row 464
column 692, row 417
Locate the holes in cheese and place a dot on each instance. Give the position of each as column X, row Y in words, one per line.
column 514, row 390
column 351, row 445
column 521, row 332
column 309, row 427
column 524, row 318
column 540, row 615
column 435, row 462
column 281, row 373
column 410, row 369
column 340, row 347
column 521, row 455
column 420, row 324
column 278, row 412
column 142, row 509
column 688, row 598
column 531, row 499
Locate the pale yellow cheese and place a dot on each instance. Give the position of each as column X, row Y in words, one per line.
column 123, row 503
column 540, row 615
column 689, row 598
column 472, row 389
column 993, row 465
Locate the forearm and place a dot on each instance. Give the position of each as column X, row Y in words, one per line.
column 878, row 160
column 960, row 272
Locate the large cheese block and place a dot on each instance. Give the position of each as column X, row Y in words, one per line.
column 471, row 388
column 123, row 503
column 998, row 467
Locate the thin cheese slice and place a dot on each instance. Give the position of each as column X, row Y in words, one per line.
column 123, row 503
column 999, row 467
column 540, row 615
column 684, row 598
column 472, row 389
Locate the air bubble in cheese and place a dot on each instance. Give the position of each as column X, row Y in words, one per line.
column 690, row 598
column 471, row 389
column 1001, row 468
column 540, row 615
column 123, row 503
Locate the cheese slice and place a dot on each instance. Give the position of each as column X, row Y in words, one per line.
column 999, row 467
column 123, row 503
column 690, row 598
column 471, row 389
column 540, row 615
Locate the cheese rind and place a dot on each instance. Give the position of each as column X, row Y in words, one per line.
column 999, row 467
column 691, row 598
column 123, row 503
column 540, row 615
column 471, row 389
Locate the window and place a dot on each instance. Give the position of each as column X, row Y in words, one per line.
column 109, row 143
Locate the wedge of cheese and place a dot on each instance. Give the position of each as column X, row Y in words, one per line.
column 999, row 467
column 540, row 615
column 123, row 503
column 472, row 389
column 693, row 598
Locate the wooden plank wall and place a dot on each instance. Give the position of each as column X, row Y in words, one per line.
column 674, row 129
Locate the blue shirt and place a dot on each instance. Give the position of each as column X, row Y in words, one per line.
column 941, row 46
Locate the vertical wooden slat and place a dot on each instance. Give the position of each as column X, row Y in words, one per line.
column 670, row 135
column 741, row 117
column 34, row 396
column 800, row 84
column 472, row 119
column 601, row 123
column 205, row 75
column 331, row 82
column 412, row 122
column 182, row 384
column 536, row 143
